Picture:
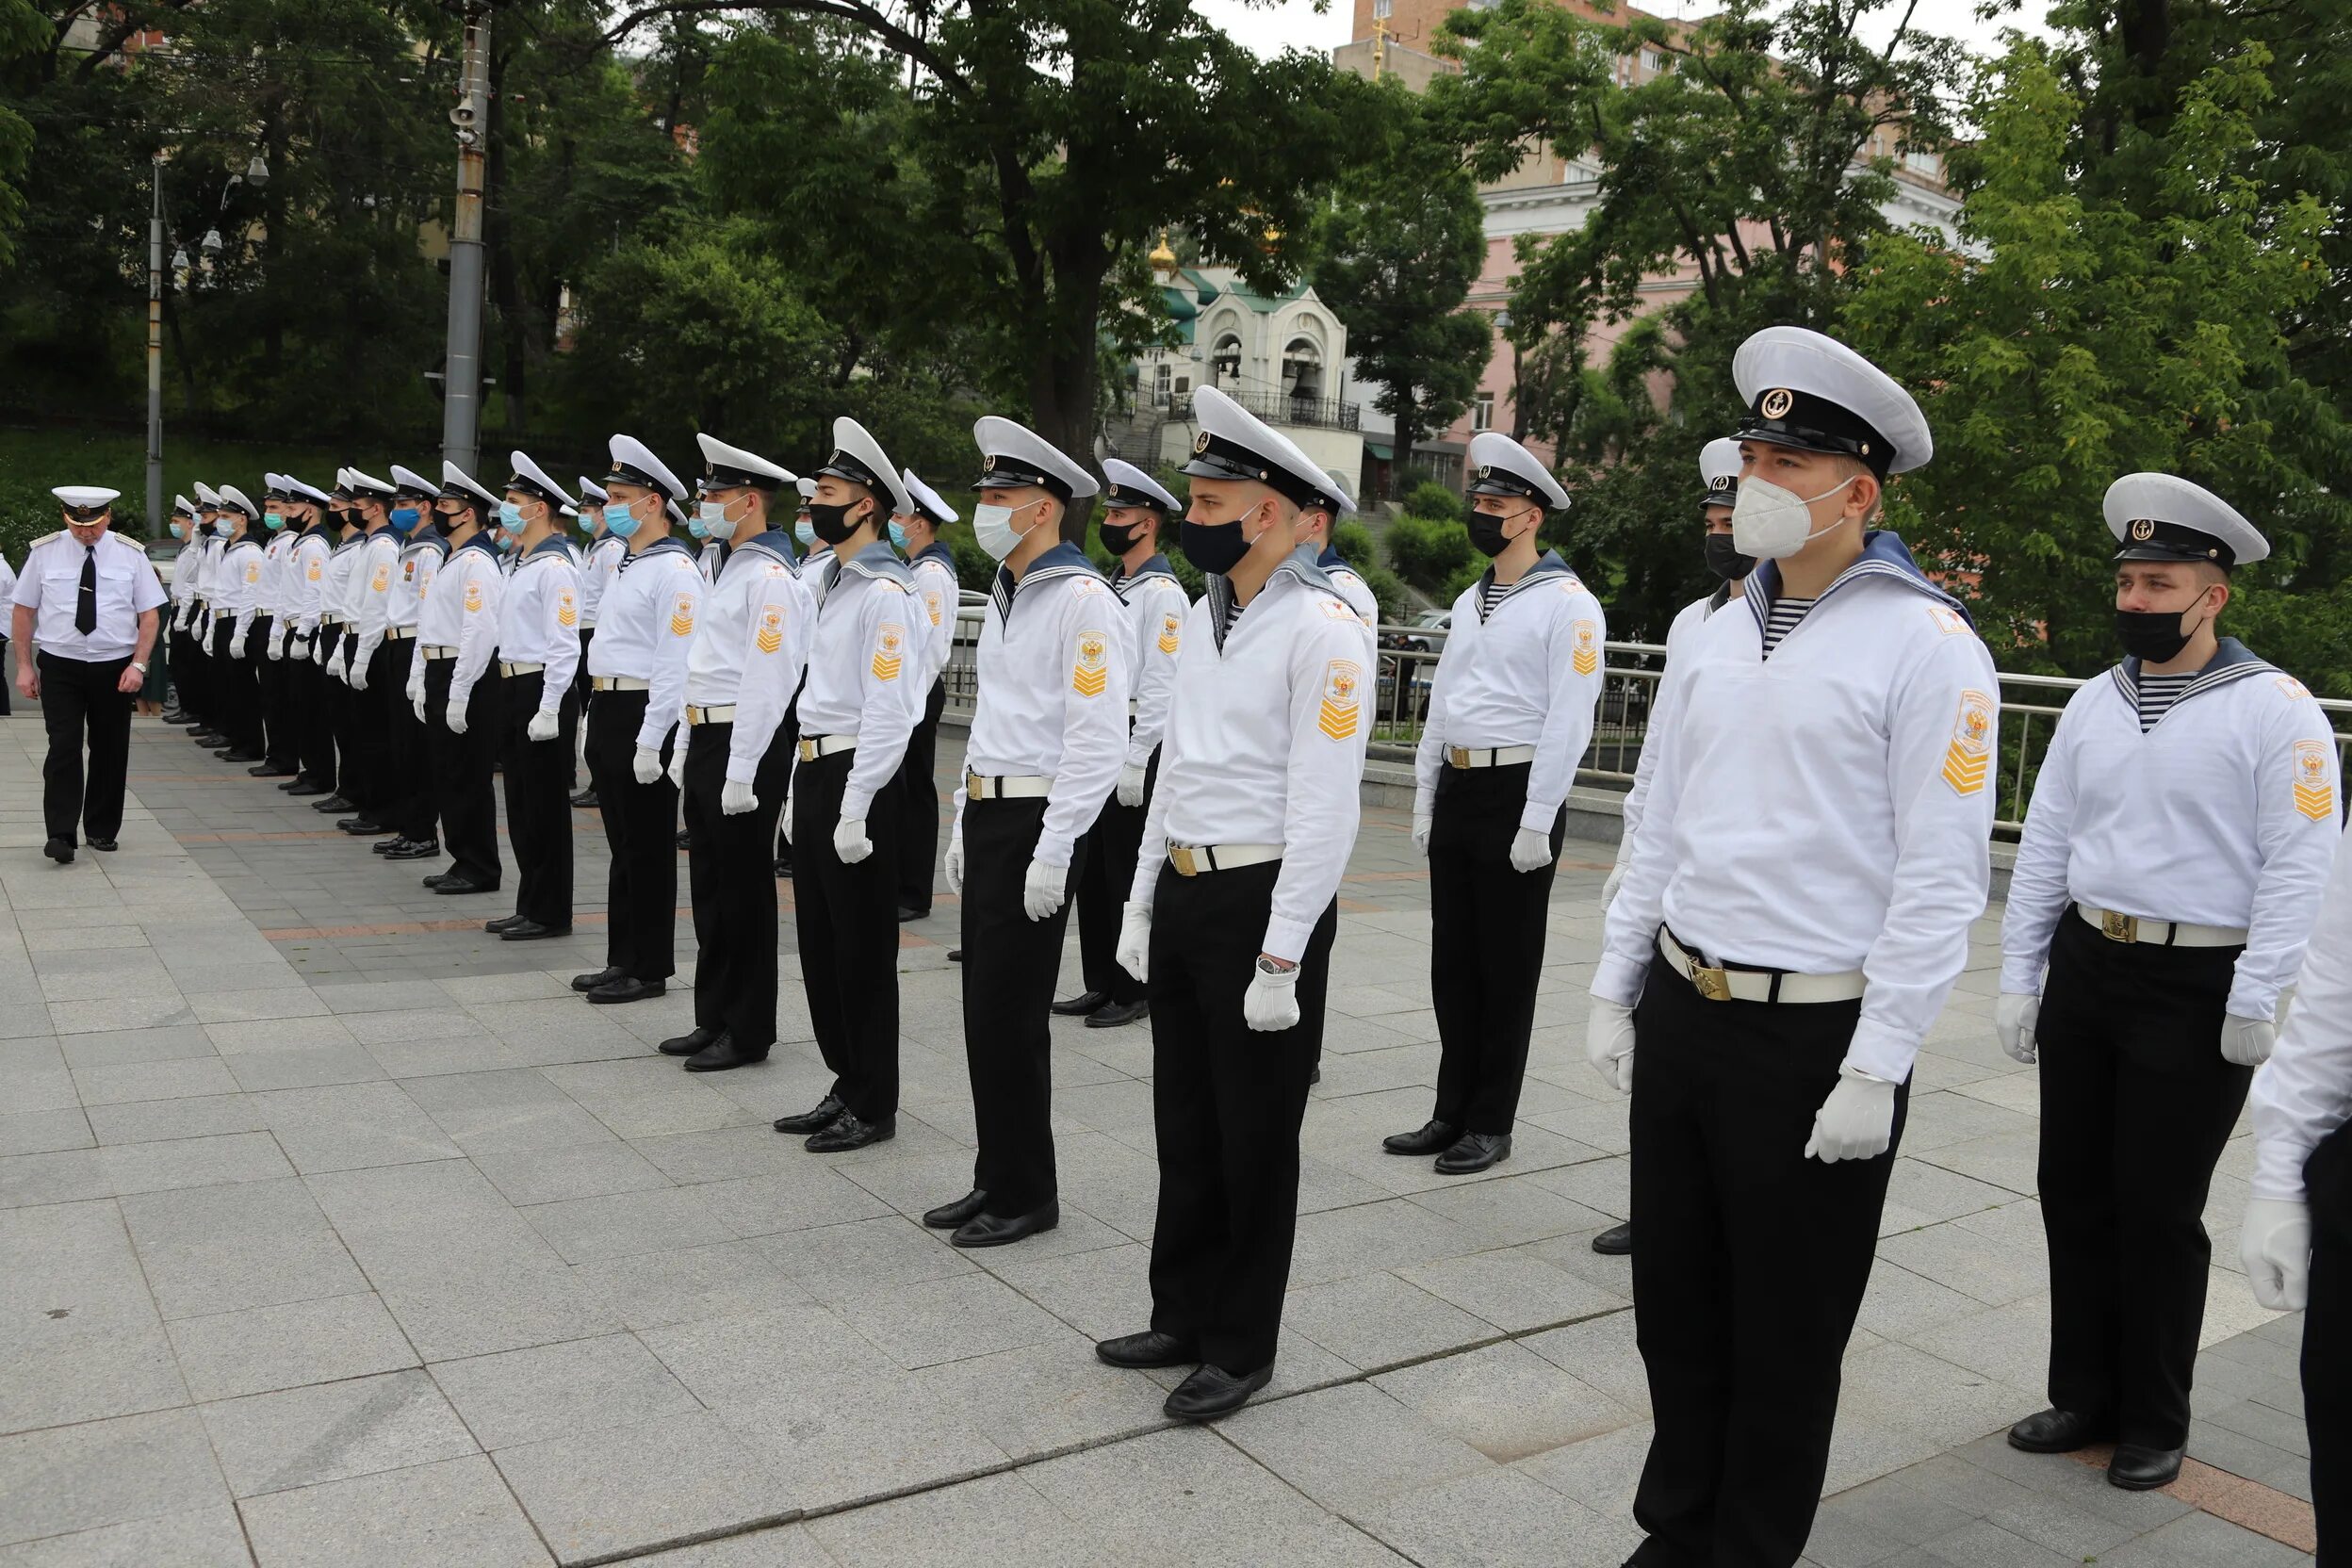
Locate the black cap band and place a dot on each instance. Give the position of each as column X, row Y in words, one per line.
column 2152, row 539
column 1782, row 417
column 1492, row 480
column 530, row 486
column 843, row 464
column 1119, row 495
column 1213, row 457
column 629, row 473
column 87, row 514
column 1000, row 472
column 727, row 476
column 1722, row 492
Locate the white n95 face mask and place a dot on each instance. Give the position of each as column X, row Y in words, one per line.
column 1771, row 523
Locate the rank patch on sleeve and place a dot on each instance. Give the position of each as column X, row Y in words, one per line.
column 890, row 655
column 2295, row 689
column 1343, row 699
column 313, row 573
column 1092, row 673
column 253, row 572
column 931, row 603
column 383, row 579
column 770, row 636
column 683, row 615
column 1968, row 758
column 2314, row 790
column 473, row 599
column 1170, row 626
column 566, row 612
column 1948, row 620
column 1585, row 654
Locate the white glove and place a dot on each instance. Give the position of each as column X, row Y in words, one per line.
column 850, row 841
column 299, row 646
column 1043, row 889
column 1421, row 826
column 1272, row 1000
column 1855, row 1122
column 1615, row 879
column 785, row 822
column 455, row 717
column 2246, row 1042
column 543, row 727
column 2276, row 1248
column 357, row 679
column 276, row 647
column 1134, row 952
column 735, row 798
column 1531, row 850
column 677, row 765
column 2013, row 1016
column 236, row 644
column 955, row 863
column 416, row 700
column 1609, row 1043
column 335, row 672
column 647, row 765
column 1131, row 785
column 318, row 651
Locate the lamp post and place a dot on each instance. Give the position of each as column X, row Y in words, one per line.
column 256, row 174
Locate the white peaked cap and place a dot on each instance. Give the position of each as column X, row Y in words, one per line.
column 633, row 462
column 927, row 500
column 858, row 458
column 1014, row 456
column 2164, row 517
column 1132, row 486
column 1814, row 394
column 1499, row 465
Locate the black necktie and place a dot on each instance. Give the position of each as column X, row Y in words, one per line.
column 86, row 606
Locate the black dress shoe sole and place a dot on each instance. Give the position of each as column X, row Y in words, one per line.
column 104, row 846
column 535, row 934
column 1019, row 1228
column 1228, row 1400
column 725, row 1064
column 643, row 993
column 59, row 851
column 1178, row 1354
column 1448, row 1165
column 1079, row 1006
column 834, row 1141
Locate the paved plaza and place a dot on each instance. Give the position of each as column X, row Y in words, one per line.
column 334, row 1231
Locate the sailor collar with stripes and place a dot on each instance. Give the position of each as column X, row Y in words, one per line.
column 878, row 562
column 1546, row 568
column 352, row 542
column 552, row 545
column 1883, row 555
column 2231, row 660
column 1299, row 563
column 664, row 545
column 1063, row 560
column 1123, row 582
column 769, row 544
column 423, row 540
column 936, row 551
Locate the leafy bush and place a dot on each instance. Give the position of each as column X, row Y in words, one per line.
column 1430, row 498
column 1353, row 541
column 1427, row 551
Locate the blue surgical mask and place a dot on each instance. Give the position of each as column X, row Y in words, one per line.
column 404, row 518
column 695, row 527
column 511, row 517
column 179, row 530
column 273, row 521
column 618, row 520
column 898, row 534
column 805, row 532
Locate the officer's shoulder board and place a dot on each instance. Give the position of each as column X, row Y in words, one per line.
column 45, row 539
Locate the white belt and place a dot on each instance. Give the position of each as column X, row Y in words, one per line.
column 1007, row 787
column 814, row 747
column 717, row 713
column 399, row 633
column 1747, row 985
column 330, row 623
column 587, row 625
column 619, row 683
column 1192, row 859
column 2161, row 933
column 430, row 651
column 1493, row 757
column 511, row 669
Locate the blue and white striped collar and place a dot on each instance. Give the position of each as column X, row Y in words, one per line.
column 483, row 542
column 666, row 545
column 554, row 543
column 878, row 560
column 1123, row 582
column 1300, row 563
column 936, row 551
column 2231, row 660
column 1547, row 568
column 773, row 544
column 1063, row 560
column 1882, row 556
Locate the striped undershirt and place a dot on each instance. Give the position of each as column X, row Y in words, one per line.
column 1786, row 613
column 2157, row 693
column 1490, row 594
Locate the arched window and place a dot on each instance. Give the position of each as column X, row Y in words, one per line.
column 1225, row 361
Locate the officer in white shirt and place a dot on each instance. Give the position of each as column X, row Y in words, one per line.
column 412, row 811
column 365, row 663
column 1235, row 903
column 539, row 643
column 2296, row 1241
column 857, row 706
column 932, row 567
column 1511, row 712
column 1136, row 510
column 236, row 637
column 301, row 604
column 2171, row 867
column 598, row 564
column 179, row 656
column 83, row 622
column 1719, row 471
column 1797, row 907
column 637, row 674
column 734, row 765
column 281, row 522
column 456, row 685
column 1048, row 737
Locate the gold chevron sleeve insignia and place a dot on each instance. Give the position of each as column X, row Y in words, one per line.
column 314, row 573
column 931, row 603
column 1091, row 675
column 683, row 617
column 1585, row 656
column 1343, row 705
column 473, row 599
column 1968, row 755
column 381, row 581
column 1169, row 628
column 253, row 573
column 770, row 636
column 890, row 651
column 2314, row 789
column 566, row 612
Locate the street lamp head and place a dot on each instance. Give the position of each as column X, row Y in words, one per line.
column 257, row 171
column 179, row 259
column 210, row 244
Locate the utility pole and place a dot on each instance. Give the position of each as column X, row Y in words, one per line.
column 461, row 409
column 155, row 359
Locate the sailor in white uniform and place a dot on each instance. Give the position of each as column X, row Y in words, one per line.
column 1048, row 736
column 411, row 810
column 194, row 621
column 539, row 644
column 236, row 636
column 1320, row 523
column 281, row 523
column 456, row 685
column 311, row 744
column 1235, row 903
column 2170, row 871
column 1510, row 711
column 1797, row 907
column 331, row 650
column 182, row 526
column 1137, row 511
column 599, row 562
column 365, row 663
column 933, row 569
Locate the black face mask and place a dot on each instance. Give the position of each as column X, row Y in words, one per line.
column 1724, row 559
column 2151, row 636
column 832, row 521
column 1486, row 534
column 1118, row 538
column 1215, row 547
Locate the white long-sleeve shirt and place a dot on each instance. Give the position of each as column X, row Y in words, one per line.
column 862, row 670
column 2304, row 1092
column 1687, row 620
column 1157, row 607
column 1528, row 674
column 1824, row 811
column 600, row 565
column 460, row 611
column 751, row 649
column 334, row 592
column 237, row 586
column 1265, row 741
column 421, row 558
column 1052, row 669
column 367, row 602
column 2222, row 814
column 932, row 572
column 305, row 584
column 277, row 550
column 649, row 615
column 539, row 617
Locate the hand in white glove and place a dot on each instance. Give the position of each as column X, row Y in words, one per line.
column 357, row 678
column 645, row 766
column 277, row 648
column 1609, row 1043
column 1043, row 889
column 677, row 765
column 1855, row 1122
column 236, row 644
column 455, row 717
column 785, row 822
column 2013, row 1016
column 2246, row 1042
column 1134, row 952
column 298, row 647
column 1608, row 887
column 736, row 797
column 334, row 670
column 850, row 841
column 318, row 651
column 1421, row 826
column 1272, row 1000
column 1131, row 785
column 2276, row 1248
column 416, row 701
column 543, row 725
column 1531, row 850
column 955, row 863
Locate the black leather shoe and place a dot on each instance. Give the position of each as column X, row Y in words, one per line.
column 333, row 804
column 59, row 850
column 585, row 800
column 590, row 982
column 850, row 1131
column 1317, row 1076
column 998, row 1229
column 948, row 1215
column 955, row 955
column 627, row 989
column 179, row 716
column 436, row 878
column 532, row 931
column 1212, row 1392
column 453, row 884
column 388, row 845
column 105, row 846
column 207, row 738
column 1431, row 1136
column 1149, row 1349
column 906, row 912
column 360, row 827
column 1081, row 1004
column 724, row 1053
column 236, row 754
column 690, row 1042
column 502, row 924
column 783, row 868
column 1615, row 1241
column 2138, row 1469
column 685, row 839
column 303, row 788
column 1475, row 1153
column 1112, row 1014
column 415, row 849
column 2059, row 1432
column 266, row 771
column 816, row 1119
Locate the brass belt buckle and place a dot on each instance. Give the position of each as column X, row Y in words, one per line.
column 1713, row 984
column 1458, row 756
column 1181, row 857
column 807, row 751
column 2118, row 928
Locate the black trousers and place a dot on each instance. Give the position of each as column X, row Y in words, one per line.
column 1750, row 1269
column 277, row 715
column 1226, row 1101
column 79, row 706
column 462, row 768
column 538, row 805
column 846, row 919
column 366, row 781
column 1010, row 962
column 7, row 677
column 580, row 698
column 353, row 775
column 1105, row 877
column 409, row 804
column 2136, row 1105
column 309, row 709
column 237, row 719
column 641, row 829
column 1486, row 950
column 730, row 873
column 919, row 815
column 189, row 671
column 2328, row 1345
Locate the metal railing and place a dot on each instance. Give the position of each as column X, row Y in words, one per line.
column 1275, row 408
